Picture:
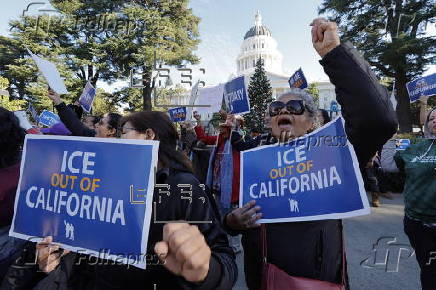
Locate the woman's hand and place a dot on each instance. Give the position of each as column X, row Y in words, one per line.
column 52, row 95
column 245, row 217
column 324, row 36
column 184, row 251
column 48, row 255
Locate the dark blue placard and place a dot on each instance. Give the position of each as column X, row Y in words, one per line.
column 425, row 86
column 236, row 97
column 48, row 118
column 402, row 144
column 177, row 114
column 93, row 209
column 87, row 97
column 33, row 112
column 298, row 80
column 312, row 178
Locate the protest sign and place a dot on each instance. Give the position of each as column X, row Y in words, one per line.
column 314, row 177
column 298, row 80
column 236, row 97
column 87, row 97
column 50, row 73
column 24, row 122
column 212, row 96
column 33, row 112
column 48, row 118
column 402, row 144
column 177, row 114
column 81, row 194
column 425, row 86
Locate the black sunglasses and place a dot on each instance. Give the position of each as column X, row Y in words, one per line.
column 295, row 107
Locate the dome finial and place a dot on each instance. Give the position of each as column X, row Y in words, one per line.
column 258, row 19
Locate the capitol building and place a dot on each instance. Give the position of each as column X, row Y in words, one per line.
column 259, row 43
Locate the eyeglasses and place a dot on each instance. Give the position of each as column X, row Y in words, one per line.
column 295, row 107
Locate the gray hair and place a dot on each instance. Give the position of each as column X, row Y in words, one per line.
column 308, row 102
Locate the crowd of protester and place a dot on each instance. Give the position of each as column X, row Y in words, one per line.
column 203, row 256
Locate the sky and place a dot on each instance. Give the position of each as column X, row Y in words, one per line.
column 222, row 28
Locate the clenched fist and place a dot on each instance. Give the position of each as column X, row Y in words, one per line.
column 48, row 255
column 184, row 251
column 324, row 36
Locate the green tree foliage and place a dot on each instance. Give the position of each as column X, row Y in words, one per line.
column 260, row 93
column 98, row 40
column 104, row 103
column 314, row 91
column 392, row 37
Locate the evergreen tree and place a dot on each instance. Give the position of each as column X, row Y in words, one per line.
column 392, row 36
column 260, row 93
column 98, row 40
column 314, row 91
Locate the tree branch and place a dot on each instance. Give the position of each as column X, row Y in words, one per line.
column 382, row 68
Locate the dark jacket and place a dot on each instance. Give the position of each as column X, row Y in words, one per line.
column 72, row 122
column 8, row 186
column 222, row 272
column 10, row 247
column 314, row 249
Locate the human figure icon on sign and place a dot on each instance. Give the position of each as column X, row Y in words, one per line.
column 69, row 231
column 293, row 204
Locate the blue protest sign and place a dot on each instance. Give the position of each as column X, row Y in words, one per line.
column 334, row 107
column 48, row 118
column 33, row 112
column 82, row 195
column 177, row 114
column 236, row 97
column 402, row 144
column 87, row 97
column 298, row 80
column 314, row 177
column 425, row 86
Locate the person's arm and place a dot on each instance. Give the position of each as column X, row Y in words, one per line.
column 423, row 110
column 201, row 135
column 369, row 118
column 399, row 161
column 241, row 144
column 69, row 118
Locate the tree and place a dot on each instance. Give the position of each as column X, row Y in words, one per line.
column 99, row 40
column 104, row 103
column 392, row 36
column 260, row 93
column 314, row 91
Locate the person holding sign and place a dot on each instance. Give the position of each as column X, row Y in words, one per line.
column 192, row 256
column 179, row 255
column 314, row 249
column 418, row 162
column 105, row 128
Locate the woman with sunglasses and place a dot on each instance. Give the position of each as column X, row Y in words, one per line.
column 314, row 249
column 105, row 128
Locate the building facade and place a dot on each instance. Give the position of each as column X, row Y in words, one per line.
column 259, row 43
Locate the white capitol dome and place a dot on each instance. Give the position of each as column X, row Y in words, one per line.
column 259, row 43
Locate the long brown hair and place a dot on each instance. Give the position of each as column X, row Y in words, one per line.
column 165, row 132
